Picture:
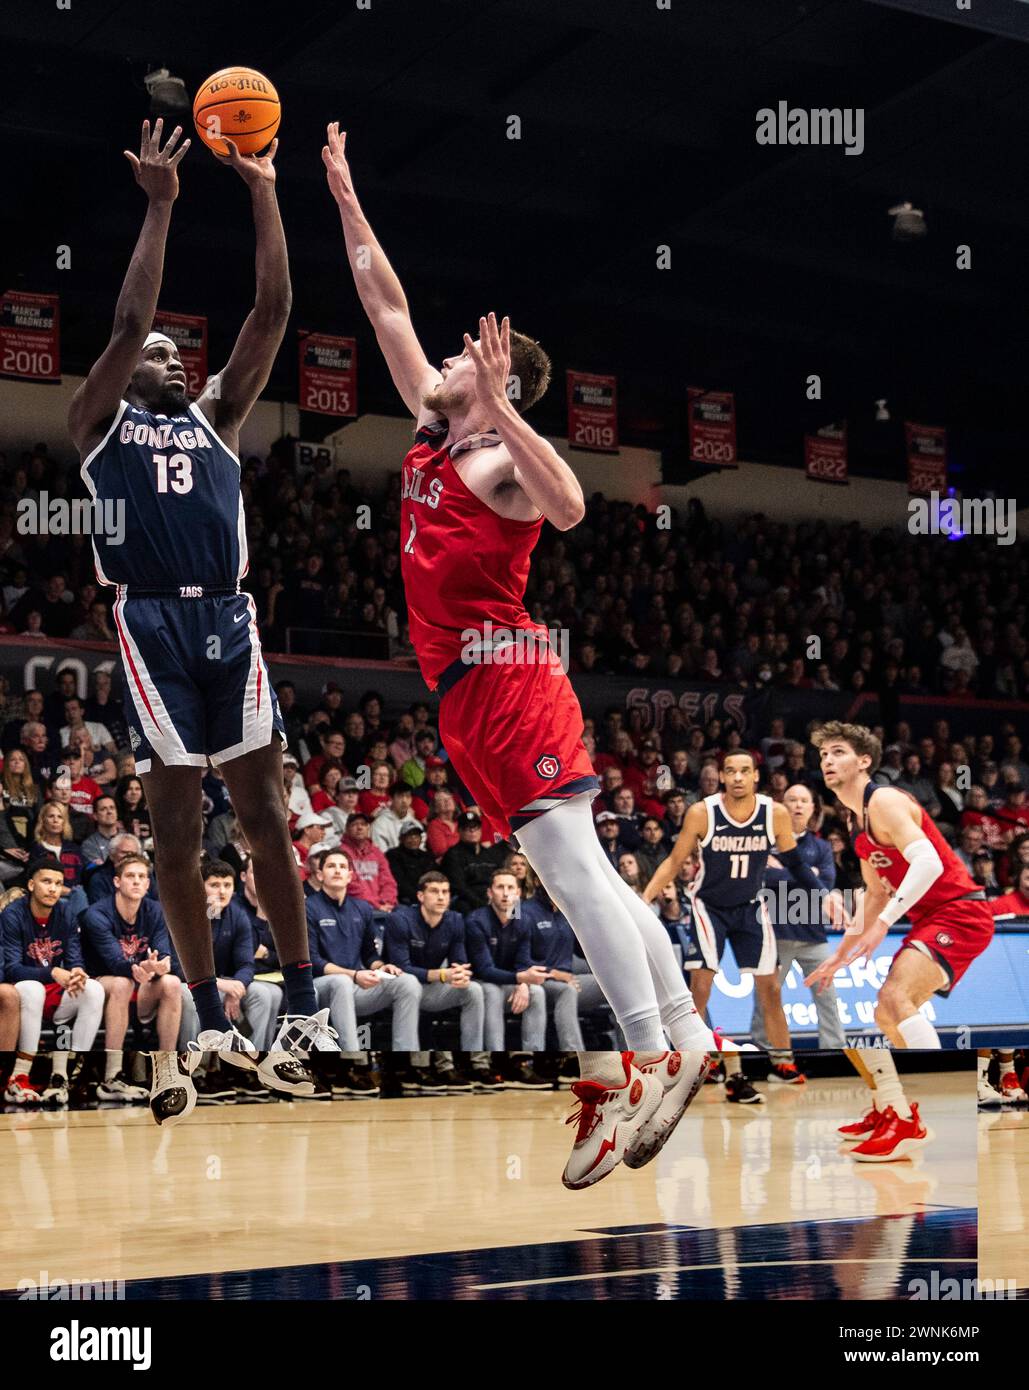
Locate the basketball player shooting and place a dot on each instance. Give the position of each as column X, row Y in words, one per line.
column 477, row 487
column 188, row 636
column 908, row 869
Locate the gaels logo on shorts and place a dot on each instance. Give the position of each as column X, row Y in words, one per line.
column 878, row 860
column 942, row 939
column 547, row 766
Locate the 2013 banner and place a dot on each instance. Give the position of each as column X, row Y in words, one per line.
column 189, row 334
column 592, row 412
column 30, row 336
column 328, row 374
column 712, row 416
column 927, row 458
column 825, row 455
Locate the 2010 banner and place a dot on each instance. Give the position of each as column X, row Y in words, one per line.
column 592, row 412
column 712, row 417
column 30, row 336
column 189, row 334
column 328, row 374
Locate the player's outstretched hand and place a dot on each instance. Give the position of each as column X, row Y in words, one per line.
column 253, row 169
column 492, row 360
column 156, row 170
column 337, row 169
column 854, row 946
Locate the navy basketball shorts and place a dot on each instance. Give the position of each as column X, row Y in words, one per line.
column 198, row 683
column 746, row 927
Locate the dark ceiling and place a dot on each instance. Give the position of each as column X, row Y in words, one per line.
column 638, row 129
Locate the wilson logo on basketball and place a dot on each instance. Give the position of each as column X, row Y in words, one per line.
column 547, row 766
column 635, row 1091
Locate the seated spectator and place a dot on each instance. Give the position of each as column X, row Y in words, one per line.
column 347, row 794
column 59, row 791
column 392, row 815
column 132, row 808
column 413, row 771
column 97, row 846
column 426, row 940
column 350, row 977
column 43, row 758
column 377, row 794
column 103, row 708
column 442, row 824
column 499, row 948
column 609, row 829
column 66, row 687
column 1017, row 901
column 401, row 749
column 99, row 882
column 949, row 797
column 297, row 798
column 623, row 804
column 84, row 791
column 1013, row 812
column 310, row 830
column 21, row 797
column 913, row 781
column 42, row 959
column 978, row 814
column 18, row 713
column 333, row 747
column 75, row 722
column 52, row 838
column 653, row 848
column 629, row 871
column 408, row 861
column 324, row 796
column 469, row 865
column 569, row 987
column 984, row 873
column 372, row 880
column 675, row 813
column 127, row 946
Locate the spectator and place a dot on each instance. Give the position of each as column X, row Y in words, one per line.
column 333, row 748
column 629, row 820
column 654, row 847
column 442, row 827
column 97, row 846
column 949, row 797
column 21, row 798
column 1017, row 901
column 309, row 830
column 104, row 709
column 408, row 862
column 387, row 823
column 675, row 813
column 470, row 864
column 329, row 779
column 378, row 793
column 499, row 948
column 570, row 989
column 52, row 838
column 1013, row 813
column 371, row 880
column 351, row 978
column 413, row 770
column 75, row 721
column 608, row 829
column 629, row 871
column 913, row 781
column 132, row 808
column 984, row 874
column 84, row 792
column 99, row 882
column 42, row 759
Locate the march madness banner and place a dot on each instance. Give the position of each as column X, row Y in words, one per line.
column 189, row 334
column 927, row 458
column 30, row 336
column 712, row 427
column 592, row 412
column 825, row 455
column 328, row 374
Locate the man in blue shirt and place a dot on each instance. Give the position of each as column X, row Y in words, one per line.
column 350, row 976
column 499, row 950
column 569, row 993
column 428, row 943
column 798, row 921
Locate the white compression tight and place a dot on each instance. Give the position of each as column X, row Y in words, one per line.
column 627, row 948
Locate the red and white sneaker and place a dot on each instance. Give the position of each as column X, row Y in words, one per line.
column 860, row 1129
column 787, row 1074
column 894, row 1138
column 20, row 1091
column 1011, row 1092
column 681, row 1075
column 610, row 1119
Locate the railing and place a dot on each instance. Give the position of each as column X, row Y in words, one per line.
column 323, row 641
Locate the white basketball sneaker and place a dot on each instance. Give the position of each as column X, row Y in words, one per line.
column 173, row 1096
column 282, row 1068
column 681, row 1075
column 231, row 1047
column 610, row 1119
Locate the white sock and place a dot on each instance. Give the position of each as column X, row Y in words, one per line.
column 59, row 1061
column 888, row 1090
column 606, row 1067
column 563, row 849
column 917, row 1031
column 112, row 1065
column 984, row 1065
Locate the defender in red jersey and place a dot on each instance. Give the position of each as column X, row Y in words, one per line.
column 908, row 868
column 476, row 489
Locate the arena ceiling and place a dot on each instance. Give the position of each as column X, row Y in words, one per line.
column 637, row 130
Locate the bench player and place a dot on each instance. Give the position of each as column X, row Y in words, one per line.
column 908, row 869
column 734, row 831
column 477, row 486
column 188, row 636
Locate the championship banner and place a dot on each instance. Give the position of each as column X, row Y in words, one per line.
column 189, row 334
column 712, row 427
column 927, row 458
column 825, row 455
column 328, row 374
column 30, row 336
column 592, row 412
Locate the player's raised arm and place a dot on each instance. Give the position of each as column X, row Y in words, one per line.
column 97, row 399
column 229, row 397
column 694, row 826
column 378, row 288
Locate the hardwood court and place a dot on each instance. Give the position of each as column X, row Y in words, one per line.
column 460, row 1197
column 1004, row 1198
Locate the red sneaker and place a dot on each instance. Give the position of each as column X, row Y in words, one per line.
column 788, row 1073
column 860, row 1129
column 20, row 1091
column 1011, row 1092
column 894, row 1138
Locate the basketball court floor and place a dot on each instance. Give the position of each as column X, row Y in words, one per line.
column 460, row 1198
column 1004, row 1199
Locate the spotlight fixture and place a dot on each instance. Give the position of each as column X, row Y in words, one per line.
column 908, row 222
column 168, row 95
column 881, row 410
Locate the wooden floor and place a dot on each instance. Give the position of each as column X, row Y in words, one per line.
column 1004, row 1198
column 461, row 1197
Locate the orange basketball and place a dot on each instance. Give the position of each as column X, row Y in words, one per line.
column 240, row 103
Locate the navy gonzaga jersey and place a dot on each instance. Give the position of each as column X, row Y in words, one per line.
column 179, row 486
column 733, row 856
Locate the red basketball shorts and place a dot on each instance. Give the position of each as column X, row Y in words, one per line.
column 953, row 935
column 514, row 734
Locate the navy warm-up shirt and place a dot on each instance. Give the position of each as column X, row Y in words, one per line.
column 418, row 948
column 497, row 950
column 816, row 854
column 113, row 946
column 340, row 933
column 551, row 940
column 233, row 941
column 31, row 949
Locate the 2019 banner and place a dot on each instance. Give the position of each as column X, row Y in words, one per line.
column 592, row 412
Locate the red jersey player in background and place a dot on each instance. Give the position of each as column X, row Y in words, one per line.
column 908, row 869
column 477, row 487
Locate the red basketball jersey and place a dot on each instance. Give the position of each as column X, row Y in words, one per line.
column 463, row 565
column 891, row 866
